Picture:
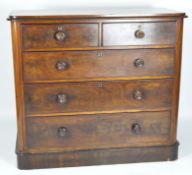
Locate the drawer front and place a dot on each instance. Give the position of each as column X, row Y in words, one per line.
column 139, row 33
column 98, row 131
column 60, row 36
column 98, row 96
column 70, row 65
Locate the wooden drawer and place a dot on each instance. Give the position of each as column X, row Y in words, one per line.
column 98, row 96
column 151, row 33
column 98, row 131
column 71, row 65
column 59, row 36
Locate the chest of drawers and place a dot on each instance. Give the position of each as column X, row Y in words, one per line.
column 96, row 88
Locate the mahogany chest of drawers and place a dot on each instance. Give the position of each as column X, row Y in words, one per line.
column 96, row 87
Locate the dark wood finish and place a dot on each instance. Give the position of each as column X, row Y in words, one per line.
column 75, row 65
column 97, row 157
column 98, row 131
column 19, row 85
column 91, row 86
column 176, row 89
column 98, row 96
column 47, row 36
column 139, row 33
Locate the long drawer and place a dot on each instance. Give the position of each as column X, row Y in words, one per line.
column 59, row 36
column 138, row 33
column 98, row 131
column 75, row 65
column 98, row 96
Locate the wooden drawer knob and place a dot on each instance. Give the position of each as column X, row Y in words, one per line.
column 136, row 128
column 139, row 34
column 62, row 132
column 138, row 95
column 61, row 65
column 139, row 63
column 60, row 36
column 62, row 98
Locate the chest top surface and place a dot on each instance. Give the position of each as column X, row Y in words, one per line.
column 94, row 13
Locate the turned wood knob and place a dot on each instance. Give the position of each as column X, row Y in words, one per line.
column 138, row 95
column 62, row 98
column 62, row 132
column 61, row 65
column 60, row 36
column 139, row 34
column 139, row 63
column 136, row 128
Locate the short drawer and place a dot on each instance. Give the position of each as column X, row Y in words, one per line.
column 71, row 65
column 151, row 33
column 59, row 36
column 98, row 131
column 98, row 96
